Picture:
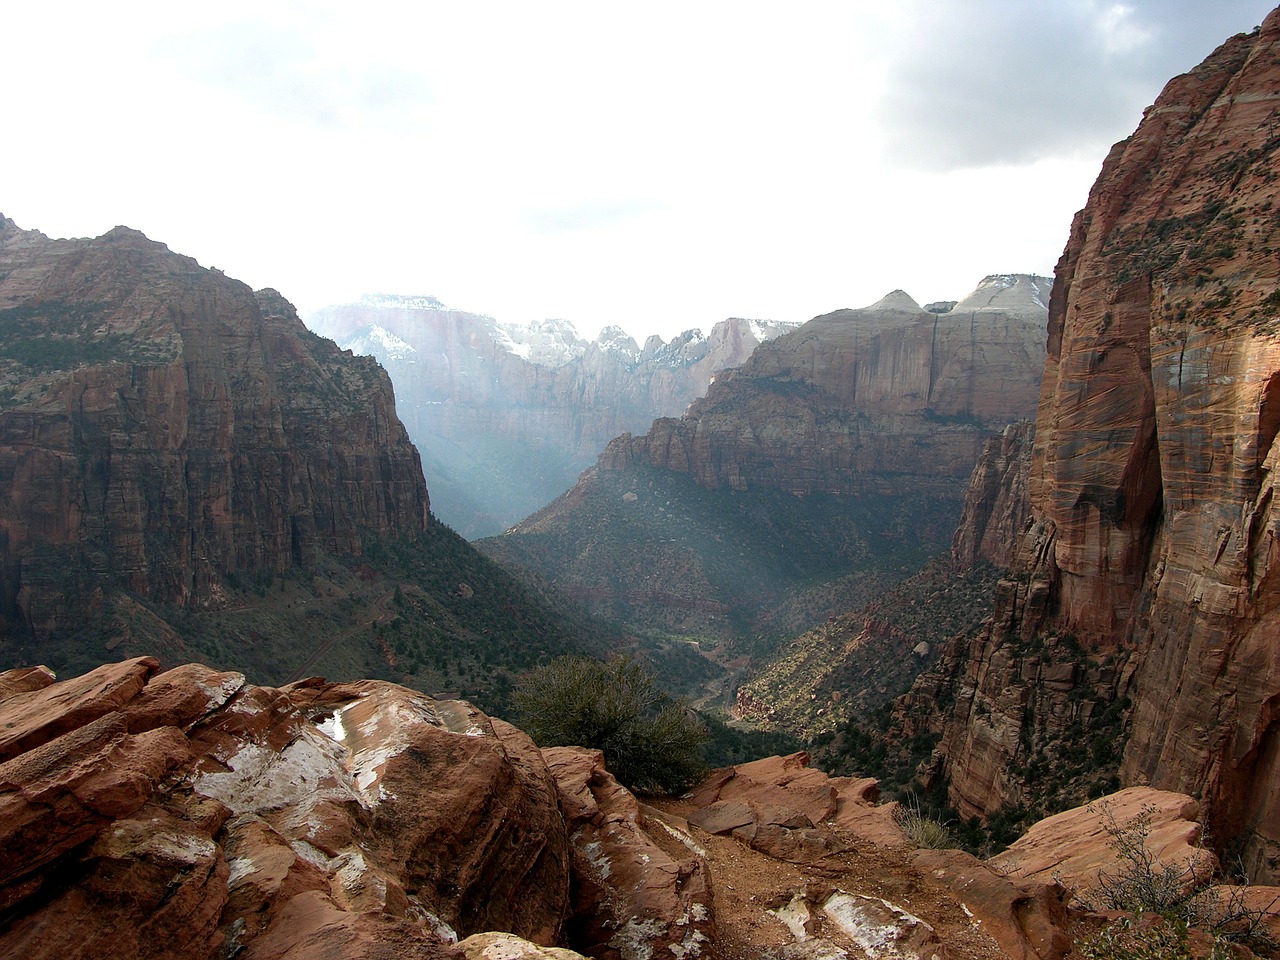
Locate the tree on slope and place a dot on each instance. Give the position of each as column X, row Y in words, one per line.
column 651, row 742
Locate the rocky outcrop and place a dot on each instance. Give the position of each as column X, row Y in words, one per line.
column 1085, row 846
column 631, row 898
column 786, row 808
column 161, row 426
column 147, row 814
column 1152, row 537
column 506, row 416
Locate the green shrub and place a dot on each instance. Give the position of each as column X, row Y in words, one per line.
column 651, row 742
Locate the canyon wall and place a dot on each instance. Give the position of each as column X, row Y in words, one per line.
column 1152, row 542
column 162, row 426
column 506, row 415
column 862, row 401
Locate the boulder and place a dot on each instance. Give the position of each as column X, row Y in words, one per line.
column 1077, row 846
column 1028, row 918
column 631, row 898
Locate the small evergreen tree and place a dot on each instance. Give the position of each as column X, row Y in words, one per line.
column 651, row 742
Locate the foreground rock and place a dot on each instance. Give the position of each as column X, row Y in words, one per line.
column 781, row 805
column 631, row 898
column 192, row 814
column 1078, row 847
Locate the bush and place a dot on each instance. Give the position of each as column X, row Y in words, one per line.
column 651, row 742
column 923, row 831
column 1172, row 900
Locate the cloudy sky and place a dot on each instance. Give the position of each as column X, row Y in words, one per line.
column 657, row 165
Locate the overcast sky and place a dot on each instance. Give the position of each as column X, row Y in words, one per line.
column 657, row 165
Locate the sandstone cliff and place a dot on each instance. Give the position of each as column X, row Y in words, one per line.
column 826, row 468
column 161, row 425
column 507, row 416
column 1153, row 540
column 887, row 399
column 148, row 814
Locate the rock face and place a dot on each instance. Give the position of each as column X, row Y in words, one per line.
column 997, row 505
column 1153, row 535
column 839, row 452
column 161, row 426
column 507, row 416
column 862, row 401
column 151, row 814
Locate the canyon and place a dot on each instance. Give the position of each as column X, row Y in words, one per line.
column 506, row 415
column 826, row 468
column 191, row 473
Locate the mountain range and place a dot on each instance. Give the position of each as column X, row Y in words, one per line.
column 507, row 415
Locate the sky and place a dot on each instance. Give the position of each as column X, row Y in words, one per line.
column 658, row 166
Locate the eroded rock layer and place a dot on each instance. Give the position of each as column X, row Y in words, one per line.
column 863, row 401
column 161, row 426
column 1153, row 538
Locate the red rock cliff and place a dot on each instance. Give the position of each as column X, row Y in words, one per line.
column 863, row 400
column 160, row 426
column 1154, row 537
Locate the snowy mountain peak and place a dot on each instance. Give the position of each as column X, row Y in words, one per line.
column 614, row 339
column 377, row 341
column 395, row 301
column 1009, row 292
column 548, row 343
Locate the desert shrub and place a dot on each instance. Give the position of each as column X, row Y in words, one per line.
column 1159, row 940
column 1174, row 897
column 651, row 742
column 922, row 830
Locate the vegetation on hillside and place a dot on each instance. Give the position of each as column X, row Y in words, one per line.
column 651, row 742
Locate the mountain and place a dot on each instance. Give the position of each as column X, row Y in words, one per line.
column 506, row 415
column 829, row 465
column 1136, row 637
column 189, row 470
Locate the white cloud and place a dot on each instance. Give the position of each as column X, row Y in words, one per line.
column 659, row 166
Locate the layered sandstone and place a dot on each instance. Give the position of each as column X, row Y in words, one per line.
column 162, row 426
column 807, row 481
column 151, row 814
column 882, row 399
column 507, row 416
column 1153, row 539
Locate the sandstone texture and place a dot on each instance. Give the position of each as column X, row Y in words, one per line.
column 189, row 813
column 148, row 813
column 1079, row 846
column 507, row 416
column 997, row 505
column 161, row 426
column 786, row 808
column 1152, row 536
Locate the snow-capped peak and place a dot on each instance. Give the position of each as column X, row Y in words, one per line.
column 397, row 301
column 376, row 340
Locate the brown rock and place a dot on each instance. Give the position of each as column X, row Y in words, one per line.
column 1076, row 846
column 631, row 898
column 149, row 394
column 207, row 817
column 1028, row 918
column 1153, row 536
column 38, row 715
